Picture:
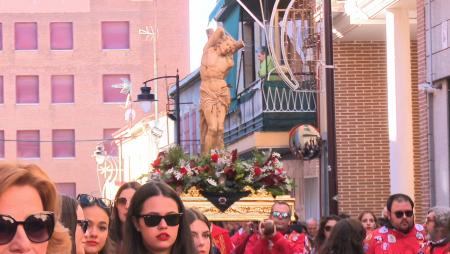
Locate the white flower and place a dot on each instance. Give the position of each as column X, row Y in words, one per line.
column 178, row 175
column 212, row 182
column 276, row 155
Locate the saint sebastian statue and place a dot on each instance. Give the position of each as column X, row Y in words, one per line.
column 217, row 60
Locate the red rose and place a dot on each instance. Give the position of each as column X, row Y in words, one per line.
column 183, row 170
column 156, row 163
column 215, row 157
column 257, row 171
column 234, row 155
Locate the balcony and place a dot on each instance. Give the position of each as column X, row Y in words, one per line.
column 268, row 106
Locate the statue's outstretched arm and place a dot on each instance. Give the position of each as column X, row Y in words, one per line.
column 215, row 38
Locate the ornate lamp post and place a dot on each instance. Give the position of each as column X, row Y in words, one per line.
column 145, row 99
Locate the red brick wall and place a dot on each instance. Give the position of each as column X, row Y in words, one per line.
column 422, row 183
column 362, row 124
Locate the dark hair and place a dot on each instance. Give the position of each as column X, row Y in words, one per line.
column 108, row 246
column 193, row 215
column 69, row 217
column 133, row 242
column 361, row 215
column 320, row 238
column 346, row 238
column 263, row 50
column 115, row 232
column 399, row 197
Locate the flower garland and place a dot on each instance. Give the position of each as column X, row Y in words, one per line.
column 222, row 171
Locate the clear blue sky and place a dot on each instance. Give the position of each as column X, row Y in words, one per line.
column 199, row 11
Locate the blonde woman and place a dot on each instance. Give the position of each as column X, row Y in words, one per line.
column 29, row 212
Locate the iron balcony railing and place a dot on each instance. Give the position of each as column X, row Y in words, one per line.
column 268, row 106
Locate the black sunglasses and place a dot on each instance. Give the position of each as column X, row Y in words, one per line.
column 281, row 215
column 153, row 220
column 328, row 228
column 84, row 224
column 400, row 214
column 38, row 227
column 88, row 200
column 121, row 201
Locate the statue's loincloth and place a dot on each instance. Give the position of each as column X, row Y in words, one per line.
column 210, row 98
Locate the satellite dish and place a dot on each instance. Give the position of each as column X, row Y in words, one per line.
column 130, row 114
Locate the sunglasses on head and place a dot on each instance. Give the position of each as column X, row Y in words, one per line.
column 84, row 224
column 38, row 227
column 400, row 214
column 153, row 220
column 281, row 215
column 121, row 201
column 88, row 200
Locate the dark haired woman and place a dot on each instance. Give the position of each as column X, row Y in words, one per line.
column 369, row 223
column 72, row 217
column 201, row 232
column 346, row 238
column 156, row 222
column 119, row 213
column 97, row 211
column 326, row 225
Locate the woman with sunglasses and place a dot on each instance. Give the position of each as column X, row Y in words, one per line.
column 326, row 226
column 119, row 213
column 29, row 212
column 97, row 212
column 346, row 238
column 72, row 218
column 156, row 222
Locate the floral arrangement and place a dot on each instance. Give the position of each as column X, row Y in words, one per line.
column 222, row 171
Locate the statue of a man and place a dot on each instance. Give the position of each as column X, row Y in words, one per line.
column 217, row 60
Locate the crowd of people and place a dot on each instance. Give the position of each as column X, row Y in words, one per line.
column 152, row 218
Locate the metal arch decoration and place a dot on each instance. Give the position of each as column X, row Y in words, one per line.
column 303, row 81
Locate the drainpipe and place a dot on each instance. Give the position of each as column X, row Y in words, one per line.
column 430, row 117
column 331, row 126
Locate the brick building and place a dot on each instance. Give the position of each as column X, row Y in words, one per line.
column 58, row 62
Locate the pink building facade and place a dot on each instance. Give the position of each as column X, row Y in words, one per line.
column 58, row 62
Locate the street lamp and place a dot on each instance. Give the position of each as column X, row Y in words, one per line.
column 146, row 98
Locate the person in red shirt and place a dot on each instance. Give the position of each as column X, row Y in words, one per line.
column 273, row 237
column 401, row 235
column 438, row 228
column 221, row 239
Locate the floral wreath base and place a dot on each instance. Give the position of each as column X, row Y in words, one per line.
column 221, row 176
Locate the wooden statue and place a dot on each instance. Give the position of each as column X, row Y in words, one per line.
column 217, row 60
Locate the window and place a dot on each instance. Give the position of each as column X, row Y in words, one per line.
column 1, row 36
column 27, row 89
column 28, row 144
column 26, row 35
column 63, row 143
column 2, row 144
column 62, row 89
column 116, row 35
column 61, row 35
column 1, row 91
column 111, row 94
column 110, row 145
